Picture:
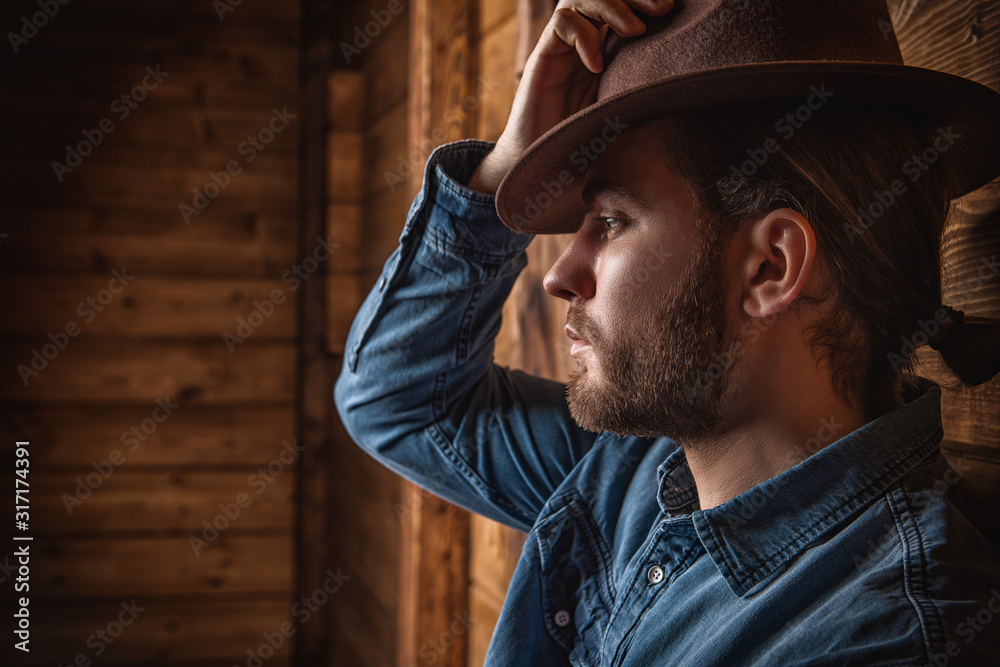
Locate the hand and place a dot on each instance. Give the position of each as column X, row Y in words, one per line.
column 561, row 75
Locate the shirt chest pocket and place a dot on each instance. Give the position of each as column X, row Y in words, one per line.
column 577, row 591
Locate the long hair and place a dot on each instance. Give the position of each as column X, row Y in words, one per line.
column 877, row 198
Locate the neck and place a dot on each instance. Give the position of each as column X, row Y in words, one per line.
column 778, row 424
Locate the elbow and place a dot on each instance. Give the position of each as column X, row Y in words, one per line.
column 369, row 409
column 346, row 399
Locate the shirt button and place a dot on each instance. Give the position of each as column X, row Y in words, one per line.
column 655, row 574
column 562, row 618
column 381, row 284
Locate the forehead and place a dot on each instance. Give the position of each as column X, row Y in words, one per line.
column 633, row 168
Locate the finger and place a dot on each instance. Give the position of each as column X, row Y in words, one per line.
column 616, row 13
column 575, row 30
column 651, row 7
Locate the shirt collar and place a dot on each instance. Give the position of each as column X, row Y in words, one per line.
column 752, row 535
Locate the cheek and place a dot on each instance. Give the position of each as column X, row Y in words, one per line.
column 630, row 284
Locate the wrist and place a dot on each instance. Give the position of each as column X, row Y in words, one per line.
column 488, row 174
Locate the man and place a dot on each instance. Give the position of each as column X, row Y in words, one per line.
column 741, row 470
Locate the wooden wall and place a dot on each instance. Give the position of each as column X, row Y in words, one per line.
column 368, row 94
column 963, row 37
column 158, row 338
column 374, row 512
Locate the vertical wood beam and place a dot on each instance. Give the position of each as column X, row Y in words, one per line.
column 313, row 384
column 435, row 537
column 532, row 15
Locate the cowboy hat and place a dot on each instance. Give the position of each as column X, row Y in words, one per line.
column 708, row 52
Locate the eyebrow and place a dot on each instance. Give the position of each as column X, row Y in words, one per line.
column 593, row 190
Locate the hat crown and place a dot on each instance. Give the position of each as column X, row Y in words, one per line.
column 700, row 35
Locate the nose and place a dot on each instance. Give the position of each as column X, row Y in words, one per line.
column 572, row 275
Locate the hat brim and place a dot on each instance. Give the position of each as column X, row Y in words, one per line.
column 541, row 192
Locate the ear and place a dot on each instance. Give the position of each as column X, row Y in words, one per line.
column 780, row 252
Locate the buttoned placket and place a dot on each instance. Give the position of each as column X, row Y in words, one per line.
column 669, row 550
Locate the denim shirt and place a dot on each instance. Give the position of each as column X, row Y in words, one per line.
column 856, row 554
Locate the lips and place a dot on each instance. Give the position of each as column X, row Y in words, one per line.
column 579, row 344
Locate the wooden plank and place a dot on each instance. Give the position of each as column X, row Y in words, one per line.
column 263, row 13
column 109, row 499
column 184, row 253
column 141, row 372
column 343, row 301
column 385, row 69
column 343, row 226
column 530, row 334
column 203, row 91
column 494, row 12
column 119, row 149
column 979, row 485
column 346, row 109
column 385, row 215
column 345, row 165
column 363, row 628
column 372, row 491
column 493, row 554
column 71, row 438
column 315, row 532
column 968, row 415
column 136, row 35
column 127, row 568
column 111, row 78
column 148, row 306
column 961, row 37
column 230, row 221
column 485, row 611
column 532, row 16
column 494, row 550
column 496, row 58
column 230, row 239
column 161, row 337
column 171, row 631
column 100, row 184
column 970, row 249
column 435, row 542
column 391, row 166
column 956, row 36
column 154, row 125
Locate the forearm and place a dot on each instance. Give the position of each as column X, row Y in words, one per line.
column 419, row 390
column 436, row 304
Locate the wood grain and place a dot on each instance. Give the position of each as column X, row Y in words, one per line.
column 227, row 240
column 531, row 331
column 961, row 37
column 161, row 337
column 67, row 438
column 137, row 372
column 435, row 542
column 89, row 502
column 496, row 58
column 386, row 68
column 164, row 630
column 127, row 568
column 147, row 306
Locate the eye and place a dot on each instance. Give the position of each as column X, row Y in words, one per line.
column 612, row 225
column 609, row 225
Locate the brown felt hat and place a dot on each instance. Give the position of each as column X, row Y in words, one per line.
column 706, row 52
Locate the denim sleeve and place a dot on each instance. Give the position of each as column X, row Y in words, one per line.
column 419, row 390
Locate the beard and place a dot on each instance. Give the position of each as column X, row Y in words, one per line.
column 668, row 370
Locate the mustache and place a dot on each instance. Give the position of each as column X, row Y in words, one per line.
column 581, row 323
